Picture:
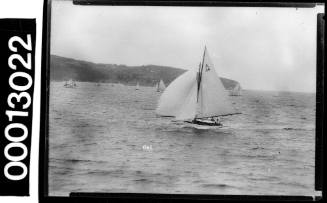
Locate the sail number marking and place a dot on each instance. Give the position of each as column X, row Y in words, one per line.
column 19, row 101
column 207, row 67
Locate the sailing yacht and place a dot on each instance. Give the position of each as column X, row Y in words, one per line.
column 197, row 96
column 236, row 91
column 70, row 83
column 137, row 86
column 161, row 86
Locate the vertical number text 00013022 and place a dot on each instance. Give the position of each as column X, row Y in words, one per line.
column 17, row 63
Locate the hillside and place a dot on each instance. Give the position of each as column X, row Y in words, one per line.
column 65, row 68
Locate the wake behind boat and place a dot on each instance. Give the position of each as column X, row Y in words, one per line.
column 197, row 97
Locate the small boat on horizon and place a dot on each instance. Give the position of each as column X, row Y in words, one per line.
column 236, row 91
column 70, row 83
column 160, row 86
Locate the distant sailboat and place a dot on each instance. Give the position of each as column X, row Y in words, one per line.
column 70, row 83
column 137, row 86
column 161, row 86
column 197, row 97
column 236, row 91
column 119, row 84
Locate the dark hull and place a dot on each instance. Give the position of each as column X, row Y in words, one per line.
column 204, row 122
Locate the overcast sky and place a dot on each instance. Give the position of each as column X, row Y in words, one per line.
column 262, row 48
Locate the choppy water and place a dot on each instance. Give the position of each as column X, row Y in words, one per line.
column 98, row 133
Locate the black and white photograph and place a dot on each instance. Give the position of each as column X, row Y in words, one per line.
column 182, row 100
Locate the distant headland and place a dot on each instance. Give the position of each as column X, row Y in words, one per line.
column 63, row 69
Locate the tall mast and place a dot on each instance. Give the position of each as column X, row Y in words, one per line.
column 199, row 76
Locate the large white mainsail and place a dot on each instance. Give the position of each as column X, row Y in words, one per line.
column 212, row 97
column 196, row 94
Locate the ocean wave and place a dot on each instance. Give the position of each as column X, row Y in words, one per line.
column 264, row 178
column 75, row 160
column 144, row 180
column 294, row 184
column 218, row 186
column 272, row 128
column 106, row 172
column 297, row 129
column 255, row 148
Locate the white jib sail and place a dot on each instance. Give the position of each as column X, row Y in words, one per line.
column 213, row 98
column 174, row 96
